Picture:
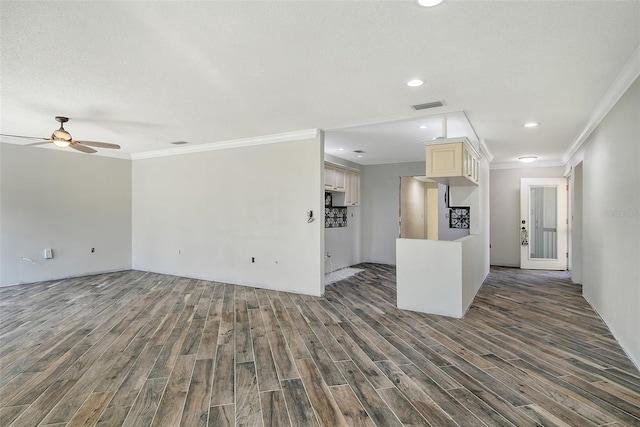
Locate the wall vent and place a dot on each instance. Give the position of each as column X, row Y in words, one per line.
column 427, row 105
column 179, row 142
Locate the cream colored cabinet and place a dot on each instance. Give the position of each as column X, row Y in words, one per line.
column 328, row 177
column 452, row 163
column 339, row 180
column 470, row 165
column 352, row 189
column 334, row 179
column 345, row 185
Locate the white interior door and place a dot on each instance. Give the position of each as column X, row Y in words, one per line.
column 543, row 223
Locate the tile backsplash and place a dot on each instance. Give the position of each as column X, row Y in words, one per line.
column 335, row 217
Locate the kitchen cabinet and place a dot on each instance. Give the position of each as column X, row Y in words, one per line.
column 352, row 189
column 344, row 184
column 334, row 178
column 453, row 162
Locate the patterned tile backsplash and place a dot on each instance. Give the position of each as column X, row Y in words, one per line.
column 335, row 217
column 459, row 217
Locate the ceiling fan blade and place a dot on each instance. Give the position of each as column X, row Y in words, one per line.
column 24, row 137
column 98, row 144
column 82, row 148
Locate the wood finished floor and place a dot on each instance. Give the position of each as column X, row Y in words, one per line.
column 140, row 349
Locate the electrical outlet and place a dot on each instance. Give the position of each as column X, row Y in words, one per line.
column 253, row 259
column 93, row 250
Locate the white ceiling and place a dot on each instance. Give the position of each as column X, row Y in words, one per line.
column 144, row 74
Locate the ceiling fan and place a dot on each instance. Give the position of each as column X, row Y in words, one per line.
column 62, row 138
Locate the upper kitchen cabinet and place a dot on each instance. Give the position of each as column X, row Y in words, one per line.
column 334, row 178
column 345, row 184
column 453, row 161
column 352, row 189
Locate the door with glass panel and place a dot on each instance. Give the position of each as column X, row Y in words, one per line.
column 543, row 223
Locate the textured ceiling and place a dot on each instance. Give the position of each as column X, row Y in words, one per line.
column 144, row 74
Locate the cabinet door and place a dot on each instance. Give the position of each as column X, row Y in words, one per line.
column 466, row 162
column 356, row 190
column 329, row 178
column 469, row 163
column 476, row 167
column 473, row 168
column 444, row 160
column 348, row 194
column 352, row 189
column 339, row 180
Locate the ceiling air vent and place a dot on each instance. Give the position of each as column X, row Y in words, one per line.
column 358, row 151
column 179, row 142
column 427, row 105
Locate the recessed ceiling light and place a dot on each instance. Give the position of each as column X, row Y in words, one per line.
column 423, row 127
column 359, row 155
column 415, row 83
column 531, row 124
column 429, row 3
column 340, row 149
column 528, row 159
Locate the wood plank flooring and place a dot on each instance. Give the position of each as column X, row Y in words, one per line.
column 145, row 349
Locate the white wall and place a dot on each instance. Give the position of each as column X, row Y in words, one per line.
column 344, row 243
column 205, row 215
column 611, row 220
column 67, row 201
column 505, row 211
column 380, row 195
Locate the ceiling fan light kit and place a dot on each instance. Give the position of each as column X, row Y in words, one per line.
column 60, row 142
column 62, row 138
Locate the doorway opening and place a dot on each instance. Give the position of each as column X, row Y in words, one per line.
column 543, row 223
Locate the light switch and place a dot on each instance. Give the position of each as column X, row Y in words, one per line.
column 48, row 253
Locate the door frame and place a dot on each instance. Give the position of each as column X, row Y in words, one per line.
column 562, row 224
column 576, row 195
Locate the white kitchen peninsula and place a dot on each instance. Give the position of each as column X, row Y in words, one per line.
column 437, row 276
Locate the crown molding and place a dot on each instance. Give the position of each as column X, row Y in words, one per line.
column 520, row 165
column 112, row 154
column 223, row 145
column 484, row 149
column 623, row 81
